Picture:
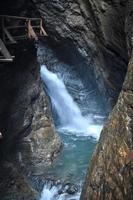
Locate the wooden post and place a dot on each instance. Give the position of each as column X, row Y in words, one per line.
column 5, row 52
column 7, row 33
column 31, row 32
column 42, row 31
column 28, row 28
column 40, row 27
column 3, row 26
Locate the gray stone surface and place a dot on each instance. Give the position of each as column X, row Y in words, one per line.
column 96, row 30
column 110, row 175
column 28, row 138
column 13, row 185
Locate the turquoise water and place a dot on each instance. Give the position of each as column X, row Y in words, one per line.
column 78, row 118
column 73, row 161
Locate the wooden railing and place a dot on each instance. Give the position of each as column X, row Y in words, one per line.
column 14, row 28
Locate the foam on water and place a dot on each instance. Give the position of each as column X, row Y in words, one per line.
column 53, row 194
column 68, row 111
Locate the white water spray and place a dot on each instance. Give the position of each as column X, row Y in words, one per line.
column 68, row 111
column 52, row 194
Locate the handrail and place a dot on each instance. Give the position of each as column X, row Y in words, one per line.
column 23, row 28
column 29, row 24
column 17, row 17
column 18, row 27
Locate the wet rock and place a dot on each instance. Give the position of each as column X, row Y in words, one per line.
column 87, row 35
column 13, row 185
column 28, row 139
column 68, row 188
column 72, row 189
column 110, row 174
column 26, row 121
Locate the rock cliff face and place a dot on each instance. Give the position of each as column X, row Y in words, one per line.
column 29, row 140
column 13, row 185
column 95, row 30
column 24, row 108
column 110, row 175
column 25, row 118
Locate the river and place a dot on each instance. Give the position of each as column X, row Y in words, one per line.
column 78, row 120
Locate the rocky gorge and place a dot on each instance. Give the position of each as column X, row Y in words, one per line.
column 95, row 37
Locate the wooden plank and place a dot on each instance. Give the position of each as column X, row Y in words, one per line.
column 17, row 17
column 15, row 27
column 1, row 57
column 5, row 52
column 20, row 37
column 6, row 60
column 12, row 40
column 20, row 27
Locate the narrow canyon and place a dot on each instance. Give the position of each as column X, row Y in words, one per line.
column 66, row 100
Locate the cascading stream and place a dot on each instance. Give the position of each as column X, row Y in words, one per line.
column 67, row 110
column 69, row 114
column 77, row 131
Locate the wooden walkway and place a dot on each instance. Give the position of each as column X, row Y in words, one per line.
column 14, row 29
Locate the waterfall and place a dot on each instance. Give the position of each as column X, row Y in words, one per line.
column 71, row 122
column 68, row 112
